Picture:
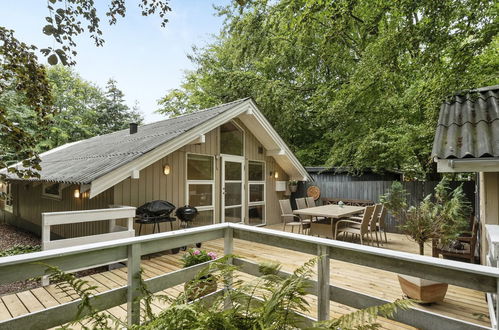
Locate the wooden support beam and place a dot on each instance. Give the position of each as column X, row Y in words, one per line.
column 275, row 152
column 135, row 174
column 199, row 140
column 84, row 188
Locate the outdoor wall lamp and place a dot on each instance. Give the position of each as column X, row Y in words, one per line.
column 76, row 193
column 166, row 169
column 276, row 175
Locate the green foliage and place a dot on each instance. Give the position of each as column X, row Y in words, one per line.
column 365, row 319
column 395, row 200
column 20, row 74
column 267, row 302
column 355, row 84
column 443, row 215
column 87, row 317
column 20, row 249
column 195, row 256
column 81, row 110
column 26, row 104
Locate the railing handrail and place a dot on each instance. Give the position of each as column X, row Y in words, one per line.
column 19, row 267
column 375, row 251
column 406, row 256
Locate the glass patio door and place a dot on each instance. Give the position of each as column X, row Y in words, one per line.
column 232, row 188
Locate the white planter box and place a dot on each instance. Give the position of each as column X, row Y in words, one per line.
column 280, row 185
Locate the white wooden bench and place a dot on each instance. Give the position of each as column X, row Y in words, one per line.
column 72, row 217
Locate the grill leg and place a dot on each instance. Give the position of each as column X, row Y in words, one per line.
column 171, row 225
column 140, row 228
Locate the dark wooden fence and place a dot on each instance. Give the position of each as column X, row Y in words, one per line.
column 372, row 190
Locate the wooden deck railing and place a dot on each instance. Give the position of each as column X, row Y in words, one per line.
column 21, row 267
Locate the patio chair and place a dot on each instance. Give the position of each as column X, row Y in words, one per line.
column 462, row 249
column 361, row 230
column 290, row 219
column 373, row 222
column 310, row 201
column 301, row 203
column 381, row 225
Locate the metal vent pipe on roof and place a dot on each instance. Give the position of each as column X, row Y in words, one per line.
column 133, row 128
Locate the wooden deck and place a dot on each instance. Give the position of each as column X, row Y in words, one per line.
column 459, row 303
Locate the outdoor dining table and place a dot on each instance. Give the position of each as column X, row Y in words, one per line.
column 331, row 214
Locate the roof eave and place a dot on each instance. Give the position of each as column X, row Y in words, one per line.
column 484, row 164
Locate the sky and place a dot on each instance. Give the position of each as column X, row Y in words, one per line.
column 145, row 59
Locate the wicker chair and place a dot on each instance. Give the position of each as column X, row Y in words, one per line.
column 301, row 203
column 289, row 219
column 310, row 201
column 381, row 225
column 373, row 222
column 353, row 227
column 463, row 248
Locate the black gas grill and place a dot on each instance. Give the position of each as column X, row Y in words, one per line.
column 154, row 213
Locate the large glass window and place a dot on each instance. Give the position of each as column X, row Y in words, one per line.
column 231, row 140
column 199, row 167
column 256, row 178
column 200, row 187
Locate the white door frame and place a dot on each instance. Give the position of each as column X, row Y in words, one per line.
column 236, row 159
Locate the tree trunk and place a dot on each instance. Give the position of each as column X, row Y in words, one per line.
column 421, row 248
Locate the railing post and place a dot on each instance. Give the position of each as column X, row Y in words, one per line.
column 228, row 250
column 323, row 278
column 133, row 293
column 497, row 303
column 45, row 240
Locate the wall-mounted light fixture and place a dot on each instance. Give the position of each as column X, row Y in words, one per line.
column 166, row 169
column 276, row 175
column 76, row 193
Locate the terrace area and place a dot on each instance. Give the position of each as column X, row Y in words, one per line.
column 357, row 276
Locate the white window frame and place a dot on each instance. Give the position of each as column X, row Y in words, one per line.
column 52, row 196
column 212, row 182
column 8, row 202
column 236, row 159
column 244, row 138
column 261, row 203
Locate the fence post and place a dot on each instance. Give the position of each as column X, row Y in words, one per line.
column 228, row 249
column 323, row 283
column 133, row 292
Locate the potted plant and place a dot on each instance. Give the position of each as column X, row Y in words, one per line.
column 206, row 284
column 442, row 215
column 293, row 185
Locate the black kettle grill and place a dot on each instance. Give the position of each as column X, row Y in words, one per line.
column 186, row 214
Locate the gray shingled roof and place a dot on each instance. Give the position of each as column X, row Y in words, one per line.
column 84, row 161
column 468, row 126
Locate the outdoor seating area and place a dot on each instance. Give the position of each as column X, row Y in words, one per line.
column 336, row 221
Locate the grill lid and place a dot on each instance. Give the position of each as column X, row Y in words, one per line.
column 186, row 213
column 156, row 208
